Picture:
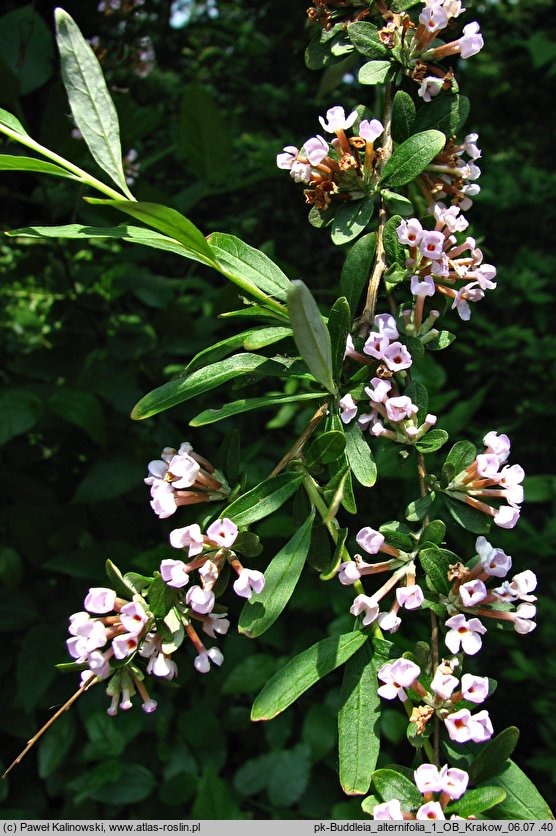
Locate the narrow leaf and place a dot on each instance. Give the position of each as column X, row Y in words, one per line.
column 202, row 380
column 493, row 755
column 468, row 517
column 364, row 37
column 446, row 113
column 310, row 334
column 436, row 566
column 211, row 416
column 11, row 122
column 392, row 784
column 261, row 337
column 394, row 251
column 358, row 719
column 281, row 577
column 359, row 456
column 412, row 157
column 419, row 509
column 240, row 259
column 289, row 683
column 91, row 104
column 357, row 269
column 477, row 801
column 339, row 322
column 168, row 221
column 13, row 162
column 326, row 448
column 201, row 120
column 264, row 499
column 403, row 116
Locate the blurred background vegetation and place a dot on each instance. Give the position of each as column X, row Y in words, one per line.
column 208, row 93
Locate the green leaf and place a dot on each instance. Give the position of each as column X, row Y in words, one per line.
column 394, row 251
column 493, row 755
column 434, row 532
column 325, row 448
column 397, row 534
column 26, row 48
column 301, row 672
column 264, row 499
column 461, row 455
column 81, row 409
column 364, row 37
column 281, row 577
column 419, row 396
column 210, row 416
column 107, row 480
column 169, row 222
column 117, row 580
column 397, row 204
column 476, row 801
column 11, row 122
column 290, row 775
column 445, row 113
column 310, row 334
column 394, row 785
column 403, row 117
column 432, row 440
column 339, row 322
column 357, row 269
column 201, row 380
column 261, row 337
column 435, row 564
column 374, row 72
column 12, row 162
column 214, row 799
column 523, row 800
column 350, row 219
column 91, row 105
column 202, row 122
column 358, row 722
column 249, row 674
column 20, row 411
column 359, row 456
column 469, row 518
column 252, row 266
column 419, row 508
column 55, row 745
column 443, row 340
column 412, row 157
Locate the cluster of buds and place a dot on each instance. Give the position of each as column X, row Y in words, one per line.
column 183, row 477
column 409, row 595
column 112, row 635
column 483, row 480
column 448, row 784
column 438, row 264
column 450, row 177
column 329, row 12
column 441, row 698
column 344, row 169
column 470, row 594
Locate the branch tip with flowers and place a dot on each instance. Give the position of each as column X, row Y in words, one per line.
column 393, row 185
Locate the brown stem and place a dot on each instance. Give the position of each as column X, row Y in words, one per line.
column 298, row 445
column 380, row 265
column 47, row 725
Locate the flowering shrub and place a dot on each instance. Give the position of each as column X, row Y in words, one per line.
column 361, row 367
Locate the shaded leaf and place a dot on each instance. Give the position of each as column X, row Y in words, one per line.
column 281, row 576
column 412, row 157
column 251, row 265
column 303, row 671
column 357, row 269
column 264, row 499
column 210, row 416
column 310, row 334
column 364, row 37
column 403, row 116
column 12, row 162
column 359, row 456
column 350, row 219
column 445, row 113
column 201, row 121
column 469, row 518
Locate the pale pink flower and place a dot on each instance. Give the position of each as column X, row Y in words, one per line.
column 507, row 516
column 431, row 244
column 370, row 540
column 453, row 781
column 464, row 634
column 216, row 623
column 99, row 599
column 223, row 533
column 367, row 605
column 495, row 562
column 399, row 408
column 133, row 617
column 124, row 645
column 431, row 811
column 203, row 660
column 426, row 287
column 444, row 684
column 336, row 119
column 249, row 581
column 472, row 41
column 396, row 676
column 385, row 324
column 348, row 573
column 348, row 409
column 462, row 726
column 174, row 573
column 316, row 149
column 190, row 537
column 474, row 688
column 388, row 811
column 427, row 778
column 287, row 158
column 397, row 357
column 370, row 130
column 411, row 597
column 200, row 600
column 410, row 232
column 472, row 593
column 379, row 392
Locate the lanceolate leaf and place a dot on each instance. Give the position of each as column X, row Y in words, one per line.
column 202, row 380
column 239, row 259
column 310, row 334
column 412, row 157
column 339, row 321
column 403, row 116
column 12, row 162
column 303, row 671
column 461, row 455
column 357, row 269
column 374, row 72
column 364, row 37
column 263, row 500
column 11, row 122
column 282, row 574
column 447, row 114
column 392, row 784
column 91, row 105
column 359, row 456
column 210, row 416
column 493, row 755
column 350, row 219
column 477, row 801
column 358, row 718
column 468, row 517
column 168, row 221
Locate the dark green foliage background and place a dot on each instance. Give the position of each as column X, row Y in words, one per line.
column 88, row 328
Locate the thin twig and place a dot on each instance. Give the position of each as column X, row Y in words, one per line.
column 47, row 725
column 300, row 443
